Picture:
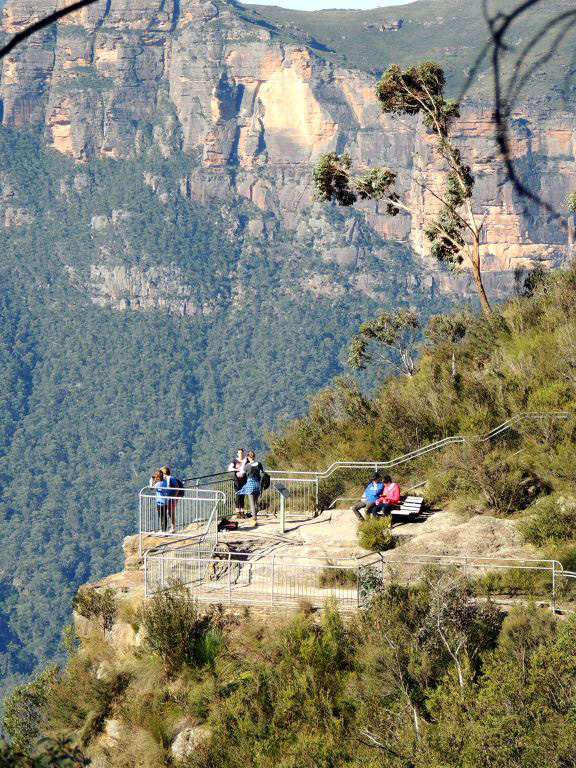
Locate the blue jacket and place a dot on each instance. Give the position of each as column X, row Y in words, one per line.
column 373, row 491
column 162, row 490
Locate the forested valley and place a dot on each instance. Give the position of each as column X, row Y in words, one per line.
column 94, row 397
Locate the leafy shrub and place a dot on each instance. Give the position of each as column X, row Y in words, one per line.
column 24, row 711
column 565, row 553
column 52, row 753
column 330, row 488
column 371, row 585
column 92, row 604
column 441, row 485
column 552, row 519
column 337, row 577
column 375, row 534
column 81, row 699
column 514, row 582
column 178, row 633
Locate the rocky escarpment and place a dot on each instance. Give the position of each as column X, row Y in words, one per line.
column 251, row 110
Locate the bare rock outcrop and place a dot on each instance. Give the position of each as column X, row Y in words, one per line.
column 255, row 112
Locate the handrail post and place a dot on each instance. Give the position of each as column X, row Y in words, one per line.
column 357, row 582
column 317, row 495
column 229, row 578
column 282, row 514
column 272, row 580
column 554, row 585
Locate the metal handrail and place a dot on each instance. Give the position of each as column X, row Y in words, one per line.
column 422, row 451
column 214, row 476
column 215, row 498
column 294, row 568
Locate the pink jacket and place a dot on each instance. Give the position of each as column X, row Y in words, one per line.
column 390, row 494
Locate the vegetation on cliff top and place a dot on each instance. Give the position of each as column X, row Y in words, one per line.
column 426, row 676
column 473, row 374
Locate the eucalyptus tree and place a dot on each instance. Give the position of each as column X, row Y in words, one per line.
column 455, row 230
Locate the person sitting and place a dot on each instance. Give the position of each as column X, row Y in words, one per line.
column 368, row 500
column 389, row 499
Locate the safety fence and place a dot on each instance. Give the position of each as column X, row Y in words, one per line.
column 305, row 484
column 491, row 575
column 301, row 503
column 243, row 578
column 195, row 512
column 240, row 578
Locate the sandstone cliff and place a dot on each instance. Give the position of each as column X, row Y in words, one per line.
column 250, row 111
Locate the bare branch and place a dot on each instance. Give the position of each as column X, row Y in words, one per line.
column 45, row 22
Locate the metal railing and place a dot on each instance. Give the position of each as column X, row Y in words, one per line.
column 302, row 503
column 242, row 578
column 195, row 513
column 546, row 575
column 224, row 480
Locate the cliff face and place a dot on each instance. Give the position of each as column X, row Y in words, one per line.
column 251, row 112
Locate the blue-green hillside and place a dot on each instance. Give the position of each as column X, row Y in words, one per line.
column 95, row 393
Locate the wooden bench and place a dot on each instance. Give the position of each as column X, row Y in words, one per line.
column 409, row 507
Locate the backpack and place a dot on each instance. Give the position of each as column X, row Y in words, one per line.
column 227, row 525
column 265, row 481
column 179, row 485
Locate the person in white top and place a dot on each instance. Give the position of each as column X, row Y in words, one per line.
column 238, row 466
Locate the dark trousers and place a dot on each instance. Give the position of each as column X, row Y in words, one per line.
column 360, row 505
column 162, row 516
column 384, row 509
column 239, row 482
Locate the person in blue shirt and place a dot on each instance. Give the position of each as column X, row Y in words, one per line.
column 368, row 501
column 162, row 492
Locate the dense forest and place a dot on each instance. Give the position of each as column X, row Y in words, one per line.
column 437, row 673
column 95, row 394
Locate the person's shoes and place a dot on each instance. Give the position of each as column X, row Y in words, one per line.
column 172, row 529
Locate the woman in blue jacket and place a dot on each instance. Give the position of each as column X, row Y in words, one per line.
column 372, row 492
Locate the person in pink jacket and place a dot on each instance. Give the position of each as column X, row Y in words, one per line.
column 390, row 497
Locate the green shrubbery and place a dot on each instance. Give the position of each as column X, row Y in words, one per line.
column 93, row 604
column 52, row 753
column 468, row 382
column 23, row 715
column 376, row 534
column 551, row 520
column 178, row 633
column 426, row 675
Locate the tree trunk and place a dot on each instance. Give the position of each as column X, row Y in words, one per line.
column 477, row 275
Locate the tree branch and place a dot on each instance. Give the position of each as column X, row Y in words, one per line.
column 45, row 22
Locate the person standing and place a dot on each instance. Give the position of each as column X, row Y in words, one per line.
column 173, row 495
column 238, row 466
column 251, row 488
column 158, row 482
column 368, row 500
